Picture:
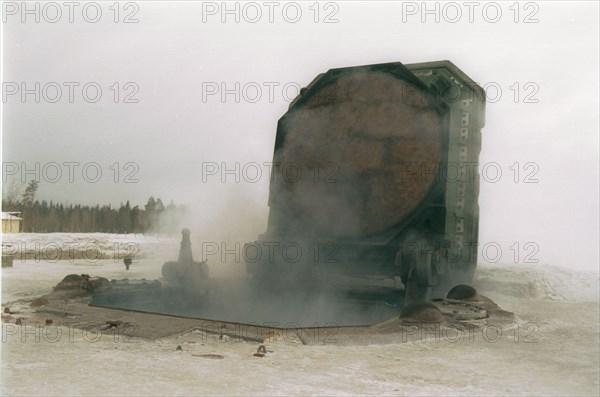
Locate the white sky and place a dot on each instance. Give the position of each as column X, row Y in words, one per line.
column 170, row 54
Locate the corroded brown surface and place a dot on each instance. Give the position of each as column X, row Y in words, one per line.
column 370, row 135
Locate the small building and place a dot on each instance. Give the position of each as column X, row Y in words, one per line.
column 11, row 222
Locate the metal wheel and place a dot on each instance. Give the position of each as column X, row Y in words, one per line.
column 423, row 276
column 416, row 292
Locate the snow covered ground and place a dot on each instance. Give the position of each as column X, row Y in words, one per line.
column 50, row 247
column 556, row 352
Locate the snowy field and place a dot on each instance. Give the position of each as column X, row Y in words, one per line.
column 555, row 351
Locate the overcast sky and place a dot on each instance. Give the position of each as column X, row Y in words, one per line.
column 178, row 53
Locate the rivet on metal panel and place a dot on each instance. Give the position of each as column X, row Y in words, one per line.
column 465, row 118
column 460, row 225
column 464, row 133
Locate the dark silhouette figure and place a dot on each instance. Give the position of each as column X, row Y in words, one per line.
column 185, row 272
column 185, row 250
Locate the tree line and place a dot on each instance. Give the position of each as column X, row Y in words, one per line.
column 50, row 217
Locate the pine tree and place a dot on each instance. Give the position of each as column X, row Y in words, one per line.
column 28, row 201
column 29, row 196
